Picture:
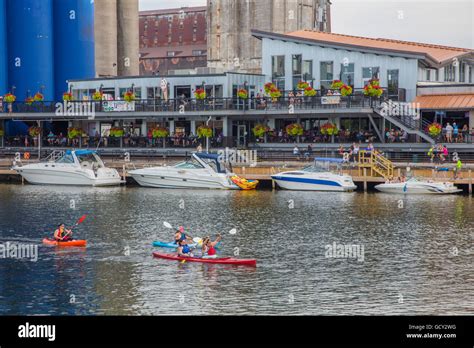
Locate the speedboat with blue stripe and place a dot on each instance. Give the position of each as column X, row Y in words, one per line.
column 316, row 177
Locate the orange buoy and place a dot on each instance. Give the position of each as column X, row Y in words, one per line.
column 26, row 155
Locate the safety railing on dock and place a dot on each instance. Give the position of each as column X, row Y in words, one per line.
column 376, row 163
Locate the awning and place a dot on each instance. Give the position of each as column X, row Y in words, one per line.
column 445, row 102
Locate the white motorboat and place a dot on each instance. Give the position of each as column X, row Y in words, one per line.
column 80, row 167
column 418, row 186
column 317, row 177
column 202, row 171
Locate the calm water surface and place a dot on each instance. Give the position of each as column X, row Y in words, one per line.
column 417, row 259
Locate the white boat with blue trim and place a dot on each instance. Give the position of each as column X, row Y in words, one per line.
column 316, row 177
column 78, row 168
column 418, row 186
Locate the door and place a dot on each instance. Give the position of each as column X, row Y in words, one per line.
column 392, row 84
column 242, row 136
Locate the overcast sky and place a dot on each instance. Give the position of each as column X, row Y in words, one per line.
column 444, row 22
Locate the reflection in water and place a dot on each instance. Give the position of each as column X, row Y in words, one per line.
column 416, row 253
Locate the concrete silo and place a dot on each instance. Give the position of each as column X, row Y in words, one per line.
column 128, row 38
column 105, row 36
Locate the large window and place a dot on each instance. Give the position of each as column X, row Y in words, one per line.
column 347, row 74
column 462, row 72
column 369, row 74
column 450, row 73
column 297, row 68
column 392, row 78
column 278, row 71
column 327, row 74
column 308, row 71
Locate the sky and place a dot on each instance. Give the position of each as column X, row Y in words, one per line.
column 443, row 22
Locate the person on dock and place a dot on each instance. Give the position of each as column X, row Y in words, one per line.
column 62, row 234
column 457, row 169
column 296, row 152
column 184, row 249
column 209, row 248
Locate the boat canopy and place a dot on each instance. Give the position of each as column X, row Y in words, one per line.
column 213, row 157
column 331, row 160
column 81, row 152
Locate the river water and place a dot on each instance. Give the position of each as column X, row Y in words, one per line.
column 415, row 253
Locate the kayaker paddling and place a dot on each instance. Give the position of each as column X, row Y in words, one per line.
column 181, row 236
column 209, row 247
column 184, row 249
column 62, row 234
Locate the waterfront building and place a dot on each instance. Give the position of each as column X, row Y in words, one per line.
column 173, row 41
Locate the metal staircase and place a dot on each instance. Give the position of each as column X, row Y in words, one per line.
column 411, row 123
column 376, row 163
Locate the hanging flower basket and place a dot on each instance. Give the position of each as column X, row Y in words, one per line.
column 2, row 132
column 38, row 97
column 129, row 96
column 73, row 133
column 346, row 90
column 329, row 129
column 159, row 132
column 9, row 98
column 434, row 129
column 97, row 96
column 29, row 100
column 337, row 84
column 34, row 131
column 373, row 89
column 67, row 96
column 294, row 129
column 268, row 87
column 204, row 131
column 242, row 93
column 116, row 132
column 260, row 130
column 200, row 94
column 309, row 92
column 302, row 85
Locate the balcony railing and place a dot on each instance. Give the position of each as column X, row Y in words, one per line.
column 357, row 100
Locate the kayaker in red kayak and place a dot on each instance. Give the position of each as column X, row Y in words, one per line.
column 184, row 249
column 62, row 234
column 209, row 248
column 180, row 235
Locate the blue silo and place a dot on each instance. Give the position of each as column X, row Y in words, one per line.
column 30, row 47
column 3, row 49
column 74, row 42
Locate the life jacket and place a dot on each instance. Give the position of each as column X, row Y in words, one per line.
column 211, row 251
column 186, row 249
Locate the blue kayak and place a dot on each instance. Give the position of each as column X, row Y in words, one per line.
column 172, row 245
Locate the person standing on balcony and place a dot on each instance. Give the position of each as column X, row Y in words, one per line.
column 455, row 132
column 296, row 152
column 449, row 133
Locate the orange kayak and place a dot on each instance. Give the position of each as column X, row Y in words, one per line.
column 69, row 243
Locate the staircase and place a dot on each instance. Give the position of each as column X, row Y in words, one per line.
column 376, row 163
column 410, row 122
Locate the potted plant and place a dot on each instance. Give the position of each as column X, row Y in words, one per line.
column 302, row 85
column 309, row 92
column 242, row 93
column 373, row 89
column 346, row 90
column 294, row 130
column 9, row 98
column 268, row 87
column 117, row 132
column 97, row 96
column 204, row 131
column 160, row 132
column 38, row 97
column 129, row 96
column 74, row 133
column 2, row 132
column 67, row 96
column 29, row 100
column 329, row 129
column 34, row 131
column 200, row 94
column 434, row 129
column 337, row 84
column 260, row 130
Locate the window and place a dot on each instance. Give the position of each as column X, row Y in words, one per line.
column 308, row 70
column 428, row 75
column 392, row 78
column 297, row 68
column 170, row 53
column 327, row 74
column 153, row 93
column 198, row 52
column 369, row 74
column 436, row 75
column 470, row 73
column 450, row 73
column 347, row 74
column 462, row 72
column 278, row 71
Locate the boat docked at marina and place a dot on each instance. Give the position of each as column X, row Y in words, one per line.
column 316, row 177
column 418, row 186
column 201, row 171
column 72, row 167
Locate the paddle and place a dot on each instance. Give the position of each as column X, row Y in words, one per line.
column 80, row 221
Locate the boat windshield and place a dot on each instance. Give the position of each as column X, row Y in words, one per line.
column 90, row 160
column 191, row 164
column 315, row 169
column 67, row 158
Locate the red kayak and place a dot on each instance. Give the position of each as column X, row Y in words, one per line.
column 69, row 243
column 221, row 260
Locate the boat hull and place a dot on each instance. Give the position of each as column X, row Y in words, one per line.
column 416, row 189
column 221, row 261
column 307, row 184
column 177, row 182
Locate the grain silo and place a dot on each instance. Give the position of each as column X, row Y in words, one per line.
column 30, row 47
column 105, row 35
column 127, row 37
